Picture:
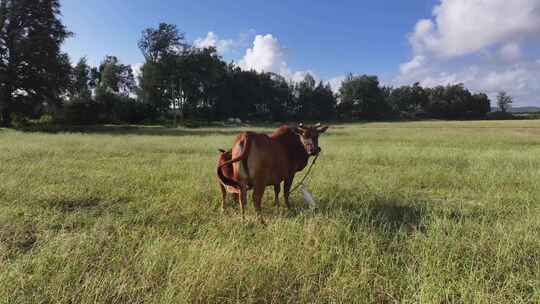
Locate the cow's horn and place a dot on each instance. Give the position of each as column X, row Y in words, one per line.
column 318, row 125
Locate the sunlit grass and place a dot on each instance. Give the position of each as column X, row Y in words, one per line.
column 428, row 212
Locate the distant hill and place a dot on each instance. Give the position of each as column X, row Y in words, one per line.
column 520, row 109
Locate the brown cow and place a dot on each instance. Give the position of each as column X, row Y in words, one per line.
column 227, row 170
column 260, row 160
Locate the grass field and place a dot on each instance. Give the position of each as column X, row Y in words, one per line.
column 423, row 212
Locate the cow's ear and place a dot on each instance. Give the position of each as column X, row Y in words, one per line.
column 222, row 151
column 322, row 129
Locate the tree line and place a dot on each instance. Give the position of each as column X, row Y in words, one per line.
column 185, row 82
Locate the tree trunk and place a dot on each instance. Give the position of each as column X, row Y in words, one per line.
column 175, row 111
column 182, row 112
column 6, row 119
column 5, row 111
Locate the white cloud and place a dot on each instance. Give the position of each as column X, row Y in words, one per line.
column 267, row 55
column 414, row 64
column 212, row 40
column 462, row 27
column 299, row 75
column 518, row 80
column 136, row 67
column 335, row 83
column 422, row 38
column 510, row 52
column 478, row 43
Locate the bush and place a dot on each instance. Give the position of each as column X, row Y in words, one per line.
column 407, row 116
column 108, row 108
column 128, row 110
column 45, row 119
column 18, row 120
column 500, row 116
column 80, row 112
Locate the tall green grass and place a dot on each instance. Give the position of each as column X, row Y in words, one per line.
column 423, row 212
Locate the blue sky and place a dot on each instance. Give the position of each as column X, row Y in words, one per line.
column 431, row 41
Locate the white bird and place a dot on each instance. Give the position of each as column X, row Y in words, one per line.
column 308, row 199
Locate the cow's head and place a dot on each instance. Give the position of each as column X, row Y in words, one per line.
column 224, row 155
column 309, row 136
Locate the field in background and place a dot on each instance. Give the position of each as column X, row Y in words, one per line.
column 430, row 212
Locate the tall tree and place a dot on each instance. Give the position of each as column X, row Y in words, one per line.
column 314, row 101
column 115, row 83
column 324, row 103
column 480, row 105
column 455, row 101
column 166, row 40
column 79, row 107
column 240, row 93
column 407, row 99
column 362, row 97
column 82, row 82
column 159, row 83
column 304, row 91
column 504, row 101
column 200, row 74
column 115, row 77
column 33, row 70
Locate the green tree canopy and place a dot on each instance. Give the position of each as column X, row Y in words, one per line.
column 314, row 101
column 81, row 82
column 115, row 77
column 158, row 43
column 362, row 97
column 159, row 81
column 33, row 70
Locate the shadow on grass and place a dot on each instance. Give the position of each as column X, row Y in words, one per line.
column 387, row 215
column 132, row 130
column 86, row 203
column 73, row 205
column 390, row 216
column 208, row 129
column 17, row 238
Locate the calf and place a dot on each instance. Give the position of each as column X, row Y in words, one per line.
column 227, row 171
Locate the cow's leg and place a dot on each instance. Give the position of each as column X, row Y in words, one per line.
column 277, row 188
column 286, row 190
column 258, row 192
column 223, row 196
column 243, row 200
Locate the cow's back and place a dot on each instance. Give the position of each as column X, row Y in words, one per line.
column 266, row 162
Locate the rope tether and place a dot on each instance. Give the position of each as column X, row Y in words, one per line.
column 306, row 175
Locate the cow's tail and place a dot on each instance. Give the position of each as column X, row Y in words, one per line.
column 245, row 152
